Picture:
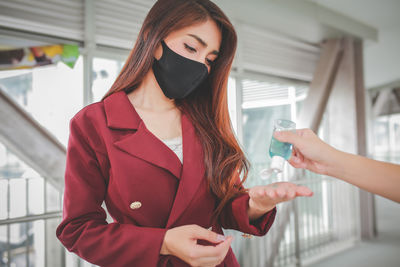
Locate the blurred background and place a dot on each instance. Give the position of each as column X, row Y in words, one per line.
column 330, row 65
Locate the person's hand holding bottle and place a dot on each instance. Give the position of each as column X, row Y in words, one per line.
column 313, row 154
column 309, row 152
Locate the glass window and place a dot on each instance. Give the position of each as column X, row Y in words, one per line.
column 27, row 244
column 257, row 133
column 51, row 94
column 386, row 136
column 318, row 217
column 381, row 136
column 18, row 245
column 395, row 134
column 36, row 248
column 54, row 248
column 36, row 195
column 17, row 197
column 3, row 198
column 105, row 71
column 232, row 101
column 3, row 248
column 11, row 166
column 53, row 200
column 263, row 102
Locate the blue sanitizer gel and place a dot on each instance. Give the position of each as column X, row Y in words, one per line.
column 278, row 151
column 281, row 149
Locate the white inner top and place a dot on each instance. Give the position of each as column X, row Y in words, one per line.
column 175, row 144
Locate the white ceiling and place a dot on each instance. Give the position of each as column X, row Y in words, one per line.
column 377, row 13
column 377, row 22
column 381, row 58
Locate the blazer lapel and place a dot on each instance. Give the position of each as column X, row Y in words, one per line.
column 121, row 115
column 192, row 173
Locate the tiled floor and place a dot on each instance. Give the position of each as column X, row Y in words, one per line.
column 384, row 251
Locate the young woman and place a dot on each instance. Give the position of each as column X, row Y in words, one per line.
column 160, row 151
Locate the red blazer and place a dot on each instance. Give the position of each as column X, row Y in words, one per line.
column 112, row 157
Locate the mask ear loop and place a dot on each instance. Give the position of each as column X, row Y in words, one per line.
column 164, row 47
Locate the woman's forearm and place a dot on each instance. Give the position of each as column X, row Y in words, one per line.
column 377, row 177
column 254, row 213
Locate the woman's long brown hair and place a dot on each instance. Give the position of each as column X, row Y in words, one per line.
column 207, row 106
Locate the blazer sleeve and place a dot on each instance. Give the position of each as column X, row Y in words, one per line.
column 234, row 216
column 84, row 229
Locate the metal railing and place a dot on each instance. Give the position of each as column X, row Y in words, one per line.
column 30, row 208
column 28, row 225
column 306, row 229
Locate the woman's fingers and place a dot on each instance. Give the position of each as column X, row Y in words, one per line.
column 266, row 197
column 256, row 192
column 269, row 192
column 281, row 192
column 291, row 194
column 284, row 191
column 181, row 242
column 303, row 191
column 205, row 234
column 211, row 255
column 212, row 251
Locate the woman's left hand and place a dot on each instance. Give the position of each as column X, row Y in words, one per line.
column 264, row 198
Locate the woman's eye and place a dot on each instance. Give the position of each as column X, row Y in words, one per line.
column 209, row 62
column 190, row 49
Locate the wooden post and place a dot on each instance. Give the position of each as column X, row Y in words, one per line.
column 321, row 85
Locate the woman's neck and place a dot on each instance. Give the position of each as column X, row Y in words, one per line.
column 149, row 96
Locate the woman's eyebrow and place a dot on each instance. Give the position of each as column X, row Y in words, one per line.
column 201, row 41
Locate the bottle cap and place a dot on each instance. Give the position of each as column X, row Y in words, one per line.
column 277, row 163
column 266, row 173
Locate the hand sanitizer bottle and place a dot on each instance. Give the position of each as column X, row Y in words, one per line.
column 278, row 151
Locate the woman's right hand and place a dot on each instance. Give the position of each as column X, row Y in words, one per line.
column 182, row 242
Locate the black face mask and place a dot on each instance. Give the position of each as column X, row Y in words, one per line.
column 177, row 75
